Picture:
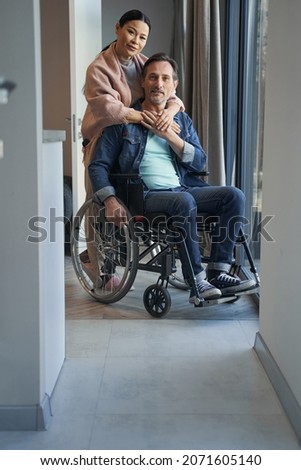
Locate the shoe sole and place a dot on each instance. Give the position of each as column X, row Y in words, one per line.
column 251, row 290
column 238, row 289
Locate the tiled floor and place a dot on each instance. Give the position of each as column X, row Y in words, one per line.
column 190, row 380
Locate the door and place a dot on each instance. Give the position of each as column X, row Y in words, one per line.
column 85, row 44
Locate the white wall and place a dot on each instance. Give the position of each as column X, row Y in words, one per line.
column 20, row 124
column 23, row 368
column 280, row 318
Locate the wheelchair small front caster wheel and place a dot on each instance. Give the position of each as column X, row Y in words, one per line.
column 156, row 300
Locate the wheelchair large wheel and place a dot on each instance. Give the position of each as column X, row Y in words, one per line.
column 105, row 257
column 156, row 300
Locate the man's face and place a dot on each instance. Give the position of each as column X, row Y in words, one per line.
column 158, row 83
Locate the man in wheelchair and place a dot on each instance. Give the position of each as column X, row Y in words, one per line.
column 167, row 162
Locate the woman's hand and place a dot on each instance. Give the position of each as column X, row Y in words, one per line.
column 134, row 116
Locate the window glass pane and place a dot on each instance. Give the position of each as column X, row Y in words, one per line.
column 256, row 182
column 245, row 57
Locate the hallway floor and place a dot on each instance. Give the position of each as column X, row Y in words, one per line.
column 190, row 380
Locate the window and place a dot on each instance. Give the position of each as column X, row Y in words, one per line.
column 245, row 46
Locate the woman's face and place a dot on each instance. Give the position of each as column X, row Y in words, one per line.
column 131, row 38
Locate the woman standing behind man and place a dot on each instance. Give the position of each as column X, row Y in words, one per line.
column 113, row 85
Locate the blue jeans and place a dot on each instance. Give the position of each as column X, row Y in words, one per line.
column 183, row 204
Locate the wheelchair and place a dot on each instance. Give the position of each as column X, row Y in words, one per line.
column 107, row 258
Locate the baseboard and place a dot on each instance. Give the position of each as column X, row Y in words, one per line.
column 282, row 388
column 26, row 418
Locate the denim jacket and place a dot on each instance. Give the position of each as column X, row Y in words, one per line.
column 120, row 149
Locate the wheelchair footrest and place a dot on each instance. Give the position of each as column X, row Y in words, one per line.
column 225, row 298
column 209, row 303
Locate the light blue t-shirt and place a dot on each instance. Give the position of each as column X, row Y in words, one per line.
column 157, row 167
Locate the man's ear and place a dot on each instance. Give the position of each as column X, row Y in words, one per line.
column 176, row 84
column 117, row 26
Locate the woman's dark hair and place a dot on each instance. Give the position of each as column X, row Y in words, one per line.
column 131, row 15
column 162, row 57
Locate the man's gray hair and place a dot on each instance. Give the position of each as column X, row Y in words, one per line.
column 162, row 57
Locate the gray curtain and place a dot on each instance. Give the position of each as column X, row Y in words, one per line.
column 203, row 81
column 178, row 42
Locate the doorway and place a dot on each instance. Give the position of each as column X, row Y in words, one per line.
column 70, row 39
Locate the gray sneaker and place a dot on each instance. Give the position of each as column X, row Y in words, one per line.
column 205, row 291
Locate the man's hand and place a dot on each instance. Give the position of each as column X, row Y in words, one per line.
column 160, row 121
column 115, row 212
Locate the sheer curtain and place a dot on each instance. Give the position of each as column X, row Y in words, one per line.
column 203, row 95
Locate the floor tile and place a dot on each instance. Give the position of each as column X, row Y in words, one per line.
column 176, row 338
column 249, row 328
column 78, row 387
column 231, row 383
column 87, row 338
column 194, row 431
